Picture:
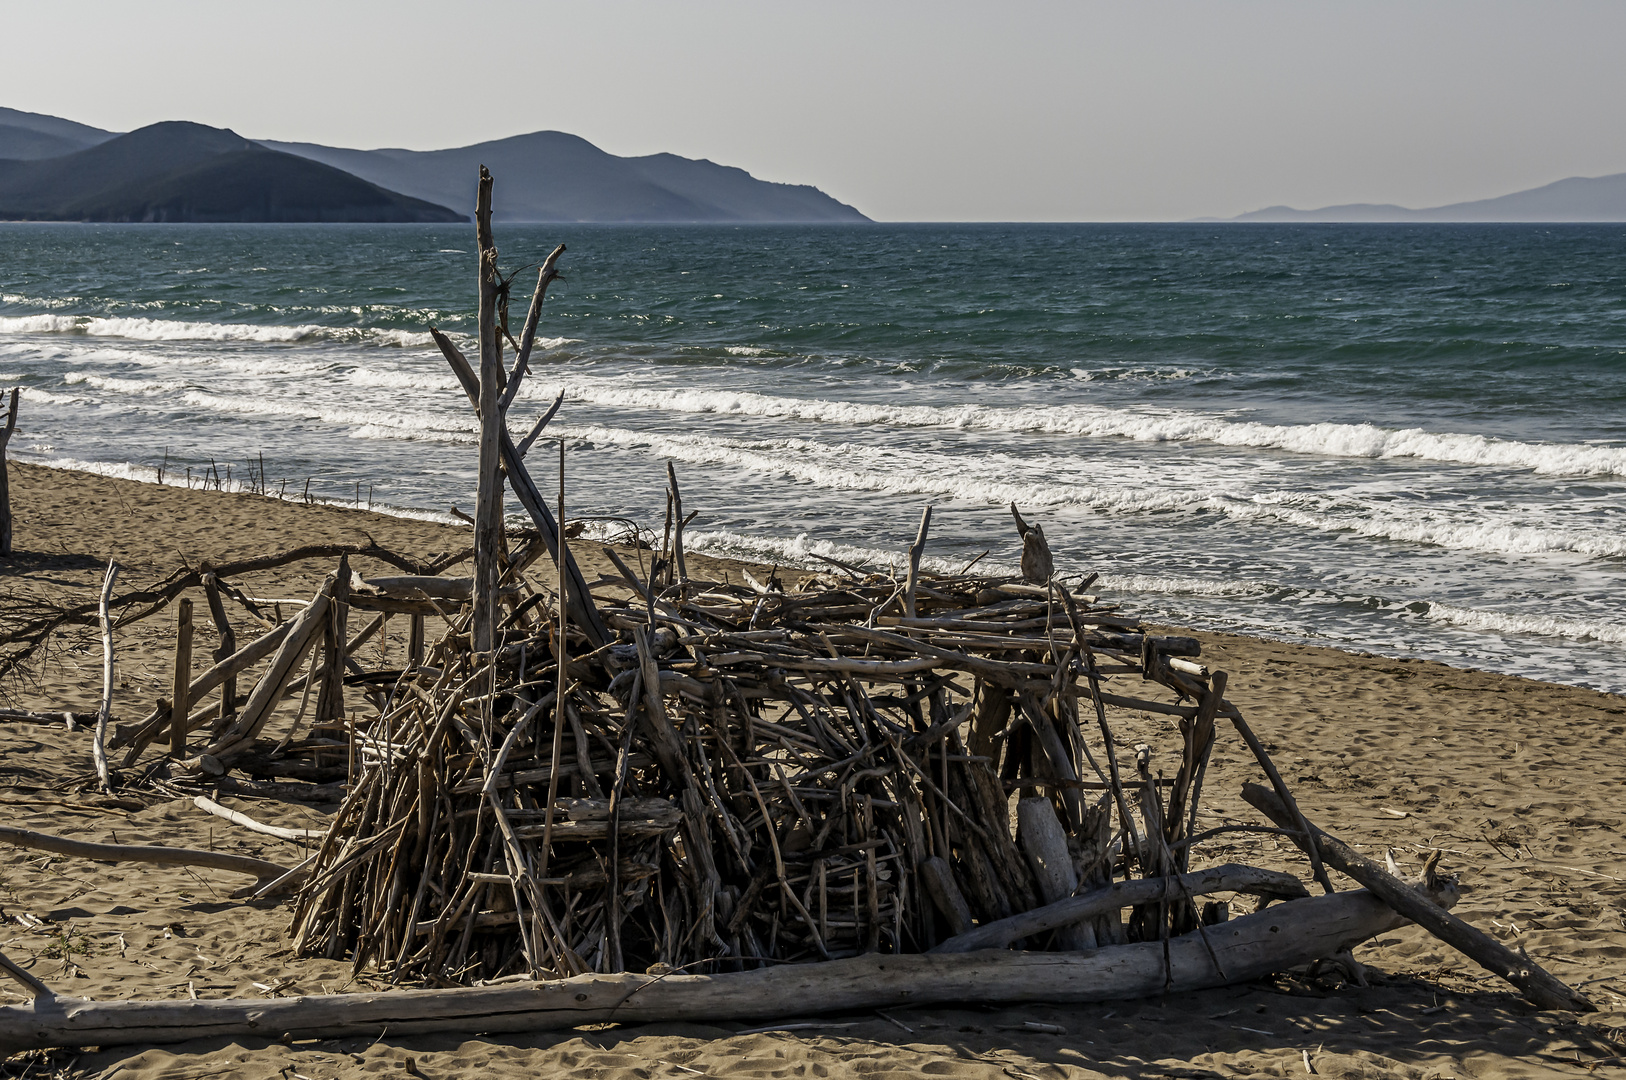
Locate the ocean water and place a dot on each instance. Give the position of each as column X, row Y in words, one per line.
column 1409, row 440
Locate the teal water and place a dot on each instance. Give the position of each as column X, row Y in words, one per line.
column 1404, row 439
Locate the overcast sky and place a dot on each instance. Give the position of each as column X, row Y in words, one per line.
column 984, row 111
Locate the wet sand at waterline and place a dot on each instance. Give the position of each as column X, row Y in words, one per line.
column 1521, row 783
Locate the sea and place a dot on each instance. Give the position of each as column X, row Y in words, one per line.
column 1403, row 440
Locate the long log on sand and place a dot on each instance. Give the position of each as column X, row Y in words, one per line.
column 264, row 872
column 1537, row 984
column 1280, row 937
column 1071, row 910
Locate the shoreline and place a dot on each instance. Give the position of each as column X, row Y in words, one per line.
column 581, row 547
column 1509, row 776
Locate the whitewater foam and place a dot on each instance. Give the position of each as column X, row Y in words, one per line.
column 358, row 418
column 137, row 329
column 997, row 479
column 1140, row 424
column 802, row 550
column 121, row 386
column 1166, row 585
column 410, row 379
column 1502, row 622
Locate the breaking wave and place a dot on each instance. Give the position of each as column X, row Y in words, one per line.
column 1139, row 424
column 177, row 330
column 1502, row 622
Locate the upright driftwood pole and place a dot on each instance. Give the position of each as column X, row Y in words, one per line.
column 916, row 549
column 5, row 483
column 679, row 562
column 181, row 706
column 99, row 748
column 228, row 645
column 330, row 698
column 488, row 497
column 560, row 703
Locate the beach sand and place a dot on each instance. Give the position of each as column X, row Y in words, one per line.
column 1523, row 784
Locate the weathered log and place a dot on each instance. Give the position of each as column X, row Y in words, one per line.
column 1198, row 741
column 412, row 586
column 678, row 559
column 99, row 747
column 390, row 605
column 1285, row 796
column 180, row 685
column 488, row 490
column 916, row 550
column 1537, row 984
column 22, row 975
column 32, row 716
column 1037, row 565
column 541, row 422
column 1045, row 845
column 1273, row 940
column 84, row 849
column 330, row 695
column 227, row 646
column 1057, row 755
column 5, row 482
column 282, row 792
column 1229, row 877
column 938, row 878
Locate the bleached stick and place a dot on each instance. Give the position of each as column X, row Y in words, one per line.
column 237, row 818
column 99, row 748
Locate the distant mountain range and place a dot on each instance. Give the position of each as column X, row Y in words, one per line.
column 176, row 171
column 55, row 169
column 1577, row 199
column 552, row 176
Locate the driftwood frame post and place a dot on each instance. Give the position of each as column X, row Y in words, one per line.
column 5, row 481
column 180, row 698
column 488, row 497
column 494, row 433
column 99, row 747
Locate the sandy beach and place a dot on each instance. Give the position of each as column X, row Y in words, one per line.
column 1520, row 783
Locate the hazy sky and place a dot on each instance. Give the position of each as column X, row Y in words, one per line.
column 1132, row 110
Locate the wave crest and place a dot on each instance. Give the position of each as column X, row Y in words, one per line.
column 136, row 329
column 1143, row 425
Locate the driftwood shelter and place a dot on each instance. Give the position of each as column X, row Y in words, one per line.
column 653, row 796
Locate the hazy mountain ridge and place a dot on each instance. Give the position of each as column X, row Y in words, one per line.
column 556, row 176
column 541, row 176
column 1575, row 199
column 184, row 172
column 20, row 129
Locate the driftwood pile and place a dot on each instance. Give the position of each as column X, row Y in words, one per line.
column 748, row 775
